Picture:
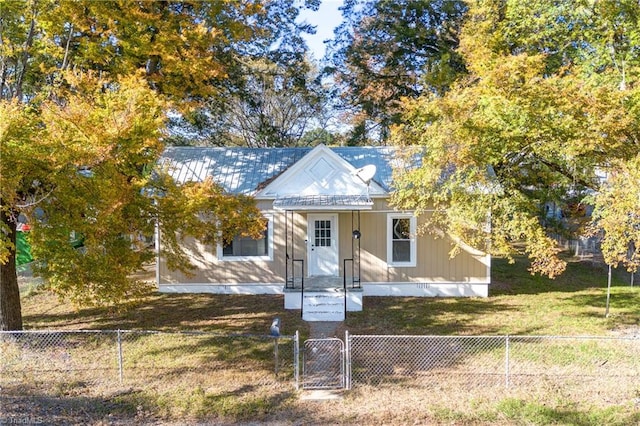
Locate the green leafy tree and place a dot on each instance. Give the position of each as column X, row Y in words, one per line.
column 539, row 113
column 617, row 215
column 84, row 92
column 388, row 49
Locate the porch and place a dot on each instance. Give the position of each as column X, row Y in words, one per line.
column 322, row 275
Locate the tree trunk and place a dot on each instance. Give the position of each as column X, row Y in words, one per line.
column 10, row 308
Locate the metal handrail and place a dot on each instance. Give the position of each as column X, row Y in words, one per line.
column 292, row 279
column 293, row 273
column 344, row 281
column 354, row 280
column 344, row 272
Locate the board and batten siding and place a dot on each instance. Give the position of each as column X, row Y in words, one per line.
column 433, row 263
column 208, row 269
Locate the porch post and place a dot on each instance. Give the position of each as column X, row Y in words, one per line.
column 359, row 279
column 355, row 250
column 286, row 249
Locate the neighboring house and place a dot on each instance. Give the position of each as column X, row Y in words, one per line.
column 331, row 239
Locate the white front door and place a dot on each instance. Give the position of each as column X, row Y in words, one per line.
column 322, row 245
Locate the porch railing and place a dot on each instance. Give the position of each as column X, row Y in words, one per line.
column 355, row 279
column 290, row 279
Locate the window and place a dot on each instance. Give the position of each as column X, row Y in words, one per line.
column 247, row 248
column 322, row 233
column 401, row 243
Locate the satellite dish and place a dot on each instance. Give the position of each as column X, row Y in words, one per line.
column 366, row 173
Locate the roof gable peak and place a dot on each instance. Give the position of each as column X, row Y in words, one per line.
column 320, row 172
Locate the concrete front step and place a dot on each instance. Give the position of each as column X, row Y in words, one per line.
column 321, row 395
column 323, row 304
column 312, row 283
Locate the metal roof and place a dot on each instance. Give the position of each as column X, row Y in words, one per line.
column 323, row 202
column 245, row 170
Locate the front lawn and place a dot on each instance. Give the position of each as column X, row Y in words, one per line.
column 519, row 304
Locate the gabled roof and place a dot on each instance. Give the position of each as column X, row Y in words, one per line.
column 248, row 170
column 320, row 172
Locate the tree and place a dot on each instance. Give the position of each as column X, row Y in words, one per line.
column 275, row 106
column 539, row 113
column 386, row 50
column 617, row 214
column 84, row 92
column 84, row 168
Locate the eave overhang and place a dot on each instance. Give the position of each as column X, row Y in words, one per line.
column 322, row 202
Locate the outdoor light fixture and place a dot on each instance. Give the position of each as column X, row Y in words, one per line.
column 356, row 235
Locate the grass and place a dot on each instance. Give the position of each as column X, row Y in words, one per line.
column 191, row 381
column 519, row 303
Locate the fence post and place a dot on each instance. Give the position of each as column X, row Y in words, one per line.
column 296, row 357
column 506, row 362
column 276, row 355
column 347, row 361
column 120, row 354
column 606, row 312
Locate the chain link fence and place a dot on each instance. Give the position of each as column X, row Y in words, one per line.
column 585, row 364
column 107, row 358
column 468, row 361
column 190, row 360
column 323, row 364
column 611, row 365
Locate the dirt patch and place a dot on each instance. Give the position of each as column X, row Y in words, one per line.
column 31, row 406
column 325, row 329
column 501, row 286
column 632, row 331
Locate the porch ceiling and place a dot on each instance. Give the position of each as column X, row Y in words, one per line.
column 323, row 202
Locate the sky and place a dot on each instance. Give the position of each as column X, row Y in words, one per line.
column 325, row 19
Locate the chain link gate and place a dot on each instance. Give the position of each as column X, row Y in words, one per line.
column 323, row 364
